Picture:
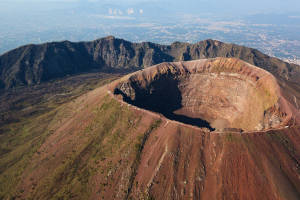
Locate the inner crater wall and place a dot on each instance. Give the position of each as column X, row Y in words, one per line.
column 219, row 94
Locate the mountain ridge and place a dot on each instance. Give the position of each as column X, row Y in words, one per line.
column 34, row 64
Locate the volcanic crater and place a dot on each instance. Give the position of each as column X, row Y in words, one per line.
column 220, row 94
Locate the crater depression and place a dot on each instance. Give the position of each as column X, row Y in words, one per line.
column 219, row 94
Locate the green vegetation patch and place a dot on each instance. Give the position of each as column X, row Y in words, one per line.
column 17, row 147
column 111, row 134
column 26, row 119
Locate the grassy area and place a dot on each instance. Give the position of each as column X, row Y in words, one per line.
column 20, row 143
column 112, row 146
column 26, row 115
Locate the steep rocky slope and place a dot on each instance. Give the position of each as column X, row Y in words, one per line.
column 32, row 64
column 100, row 147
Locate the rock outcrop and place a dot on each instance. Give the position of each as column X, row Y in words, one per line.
column 33, row 64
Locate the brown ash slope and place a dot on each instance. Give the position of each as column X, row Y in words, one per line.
column 101, row 147
column 33, row 64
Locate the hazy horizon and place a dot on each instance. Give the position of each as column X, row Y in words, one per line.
column 164, row 21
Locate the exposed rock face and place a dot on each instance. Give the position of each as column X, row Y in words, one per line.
column 33, row 64
column 221, row 93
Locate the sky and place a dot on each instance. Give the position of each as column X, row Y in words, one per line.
column 59, row 9
column 180, row 5
column 11, row 9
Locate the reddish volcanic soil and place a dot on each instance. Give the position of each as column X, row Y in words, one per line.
column 207, row 129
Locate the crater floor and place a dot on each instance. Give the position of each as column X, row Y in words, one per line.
column 219, row 94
